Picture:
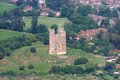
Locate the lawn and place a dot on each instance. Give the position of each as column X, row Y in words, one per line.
column 5, row 34
column 5, row 6
column 48, row 21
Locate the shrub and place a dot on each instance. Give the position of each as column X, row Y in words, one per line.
column 109, row 66
column 7, row 51
column 46, row 42
column 21, row 68
column 67, row 70
column 89, row 70
column 30, row 66
column 8, row 54
column 33, row 49
column 10, row 73
column 80, row 61
column 1, row 55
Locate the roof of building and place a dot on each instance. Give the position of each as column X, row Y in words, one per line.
column 89, row 34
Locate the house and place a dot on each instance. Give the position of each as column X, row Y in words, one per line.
column 57, row 14
column 111, row 59
column 41, row 2
column 97, row 18
column 91, row 2
column 110, row 3
column 116, row 73
column 27, row 0
column 44, row 14
column 116, row 50
column 118, row 66
column 28, row 8
column 89, row 34
column 14, row 1
column 44, row 11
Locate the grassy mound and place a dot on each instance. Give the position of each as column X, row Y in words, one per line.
column 41, row 60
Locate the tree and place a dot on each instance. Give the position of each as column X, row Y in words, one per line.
column 109, row 66
column 34, row 12
column 84, row 10
column 12, row 21
column 84, row 22
column 17, row 12
column 83, row 43
column 55, row 27
column 66, row 70
column 117, row 28
column 6, row 15
column 118, row 60
column 41, row 28
column 90, row 48
column 44, row 37
column 64, row 11
column 80, row 61
column 53, row 4
column 19, row 2
column 34, row 24
column 18, row 24
column 105, row 23
column 73, row 69
column 35, row 3
column 56, row 4
column 104, row 11
column 51, row 14
column 75, row 18
column 72, row 34
column 115, row 40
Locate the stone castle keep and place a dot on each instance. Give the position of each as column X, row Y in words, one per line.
column 57, row 42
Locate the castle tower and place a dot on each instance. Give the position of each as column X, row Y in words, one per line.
column 57, row 42
column 51, row 41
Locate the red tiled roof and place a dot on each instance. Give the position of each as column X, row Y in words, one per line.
column 89, row 34
column 117, row 66
column 14, row 1
column 28, row 8
column 116, row 50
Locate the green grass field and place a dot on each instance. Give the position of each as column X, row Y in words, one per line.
column 5, row 34
column 5, row 6
column 41, row 61
column 48, row 21
column 52, row 77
